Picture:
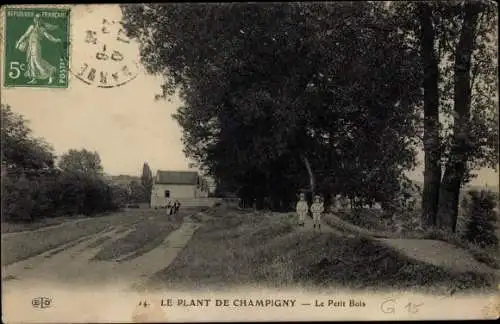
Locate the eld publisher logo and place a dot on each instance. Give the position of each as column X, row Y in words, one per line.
column 41, row 302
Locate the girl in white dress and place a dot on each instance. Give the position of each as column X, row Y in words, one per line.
column 317, row 208
column 302, row 209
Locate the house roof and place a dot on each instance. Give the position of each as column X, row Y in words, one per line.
column 176, row 177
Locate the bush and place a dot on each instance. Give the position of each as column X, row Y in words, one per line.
column 17, row 201
column 445, row 236
column 481, row 218
column 30, row 197
column 119, row 196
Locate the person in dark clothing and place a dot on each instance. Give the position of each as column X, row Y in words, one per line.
column 169, row 208
column 177, row 205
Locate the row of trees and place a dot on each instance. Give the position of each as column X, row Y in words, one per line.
column 139, row 189
column 34, row 186
column 329, row 96
column 263, row 113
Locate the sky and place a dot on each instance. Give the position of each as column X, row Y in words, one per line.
column 124, row 124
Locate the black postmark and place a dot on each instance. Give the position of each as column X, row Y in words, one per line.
column 108, row 63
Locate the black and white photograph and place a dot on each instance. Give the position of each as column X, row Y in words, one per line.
column 233, row 161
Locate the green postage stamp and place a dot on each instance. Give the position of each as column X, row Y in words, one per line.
column 36, row 49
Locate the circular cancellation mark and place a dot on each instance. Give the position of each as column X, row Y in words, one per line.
column 102, row 55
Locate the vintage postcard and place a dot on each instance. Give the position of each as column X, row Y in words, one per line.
column 293, row 161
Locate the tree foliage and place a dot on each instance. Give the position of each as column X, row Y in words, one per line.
column 138, row 193
column 482, row 218
column 33, row 188
column 267, row 87
column 83, row 161
column 461, row 120
column 20, row 149
column 147, row 181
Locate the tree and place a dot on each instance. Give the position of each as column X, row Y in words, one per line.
column 147, row 181
column 81, row 161
column 462, row 131
column 118, row 196
column 482, row 218
column 432, row 143
column 277, row 94
column 33, row 189
column 20, row 150
column 17, row 200
column 138, row 192
column 27, row 166
column 456, row 166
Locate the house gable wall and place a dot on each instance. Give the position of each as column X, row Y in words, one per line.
column 176, row 192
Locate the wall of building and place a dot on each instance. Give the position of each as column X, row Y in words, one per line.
column 176, row 192
column 201, row 194
column 180, row 192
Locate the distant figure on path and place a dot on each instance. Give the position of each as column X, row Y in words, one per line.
column 169, row 208
column 302, row 209
column 317, row 208
column 177, row 205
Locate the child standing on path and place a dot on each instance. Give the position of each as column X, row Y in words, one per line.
column 302, row 209
column 316, row 209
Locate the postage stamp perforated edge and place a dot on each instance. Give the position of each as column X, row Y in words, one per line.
column 3, row 40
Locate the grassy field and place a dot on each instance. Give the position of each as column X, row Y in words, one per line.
column 8, row 227
column 264, row 249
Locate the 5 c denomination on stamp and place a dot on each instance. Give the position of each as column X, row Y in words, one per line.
column 36, row 54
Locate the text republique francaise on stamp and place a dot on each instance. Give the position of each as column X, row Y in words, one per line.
column 35, row 51
column 42, row 48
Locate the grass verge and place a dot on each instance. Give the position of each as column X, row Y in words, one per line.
column 9, row 227
column 20, row 246
column 145, row 237
column 237, row 248
column 25, row 245
column 370, row 223
column 488, row 256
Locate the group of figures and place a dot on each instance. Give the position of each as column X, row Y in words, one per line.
column 173, row 208
column 316, row 208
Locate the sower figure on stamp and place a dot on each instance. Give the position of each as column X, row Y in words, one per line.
column 31, row 43
column 302, row 209
column 317, row 208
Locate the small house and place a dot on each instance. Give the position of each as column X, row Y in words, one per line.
column 181, row 185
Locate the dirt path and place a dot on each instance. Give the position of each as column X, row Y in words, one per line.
column 325, row 228
column 438, row 253
column 161, row 257
column 434, row 252
column 73, row 263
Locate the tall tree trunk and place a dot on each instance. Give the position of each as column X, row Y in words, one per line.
column 312, row 182
column 457, row 162
column 432, row 151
